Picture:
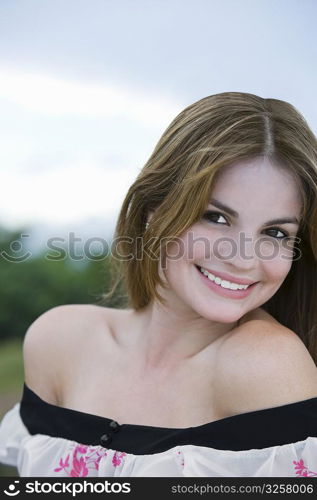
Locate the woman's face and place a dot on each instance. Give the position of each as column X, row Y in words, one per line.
column 237, row 243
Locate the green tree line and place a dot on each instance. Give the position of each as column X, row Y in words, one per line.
column 34, row 284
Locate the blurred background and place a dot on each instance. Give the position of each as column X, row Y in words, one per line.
column 87, row 87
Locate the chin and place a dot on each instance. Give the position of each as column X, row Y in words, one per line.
column 225, row 316
column 229, row 319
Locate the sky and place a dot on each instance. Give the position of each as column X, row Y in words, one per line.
column 87, row 87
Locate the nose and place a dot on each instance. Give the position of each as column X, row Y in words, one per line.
column 239, row 252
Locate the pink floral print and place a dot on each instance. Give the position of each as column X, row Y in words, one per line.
column 117, row 458
column 302, row 470
column 80, row 460
column 83, row 458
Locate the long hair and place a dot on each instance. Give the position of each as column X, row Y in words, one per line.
column 176, row 182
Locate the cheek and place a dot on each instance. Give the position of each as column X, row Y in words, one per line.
column 175, row 256
column 273, row 248
column 276, row 269
column 180, row 254
column 183, row 249
column 197, row 245
column 276, row 258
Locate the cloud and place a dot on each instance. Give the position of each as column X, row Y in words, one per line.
column 64, row 196
column 55, row 96
column 71, row 149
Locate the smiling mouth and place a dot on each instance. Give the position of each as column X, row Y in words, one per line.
column 225, row 284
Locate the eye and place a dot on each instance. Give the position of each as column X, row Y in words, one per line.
column 214, row 216
column 277, row 230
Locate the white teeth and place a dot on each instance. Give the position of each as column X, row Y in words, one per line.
column 233, row 286
column 223, row 283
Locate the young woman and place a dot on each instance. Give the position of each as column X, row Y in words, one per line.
column 210, row 369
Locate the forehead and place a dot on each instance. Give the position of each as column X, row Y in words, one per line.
column 258, row 183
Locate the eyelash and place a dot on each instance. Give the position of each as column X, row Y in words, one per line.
column 211, row 213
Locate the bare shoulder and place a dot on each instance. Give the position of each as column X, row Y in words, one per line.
column 53, row 340
column 264, row 364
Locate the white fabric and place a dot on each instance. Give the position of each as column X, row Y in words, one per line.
column 40, row 455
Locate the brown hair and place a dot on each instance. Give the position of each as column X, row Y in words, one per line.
column 176, row 182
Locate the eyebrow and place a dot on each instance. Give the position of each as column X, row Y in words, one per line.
column 233, row 213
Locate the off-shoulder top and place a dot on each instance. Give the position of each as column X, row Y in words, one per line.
column 42, row 439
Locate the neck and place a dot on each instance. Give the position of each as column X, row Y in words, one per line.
column 168, row 337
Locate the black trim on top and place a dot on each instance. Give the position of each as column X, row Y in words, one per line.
column 256, row 429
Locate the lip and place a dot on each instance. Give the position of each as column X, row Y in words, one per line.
column 226, row 292
column 228, row 277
